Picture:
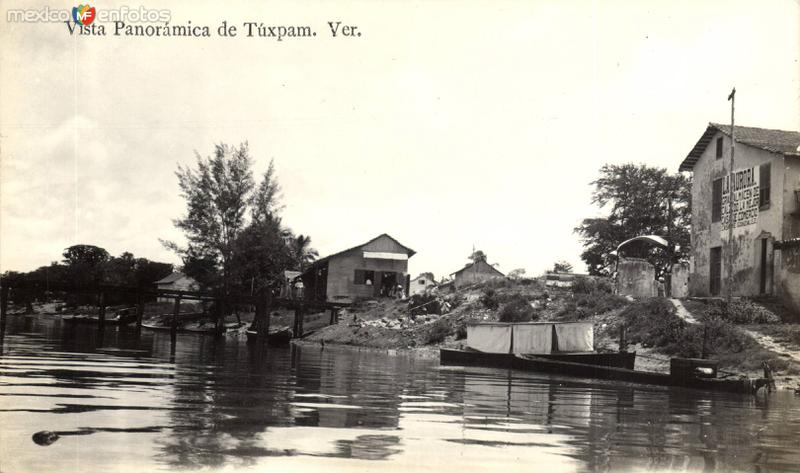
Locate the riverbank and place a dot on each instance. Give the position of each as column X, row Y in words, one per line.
column 656, row 329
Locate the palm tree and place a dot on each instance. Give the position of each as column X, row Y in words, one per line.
column 302, row 253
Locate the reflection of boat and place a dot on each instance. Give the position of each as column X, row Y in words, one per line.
column 278, row 337
column 209, row 330
column 122, row 317
column 564, row 348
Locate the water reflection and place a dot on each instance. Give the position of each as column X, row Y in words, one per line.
column 122, row 397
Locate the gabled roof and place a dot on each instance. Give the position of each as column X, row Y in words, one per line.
column 470, row 265
column 171, row 278
column 408, row 250
column 775, row 141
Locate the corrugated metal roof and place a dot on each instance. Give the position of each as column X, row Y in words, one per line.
column 775, row 141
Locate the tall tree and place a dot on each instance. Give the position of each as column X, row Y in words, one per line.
column 639, row 200
column 232, row 227
column 477, row 255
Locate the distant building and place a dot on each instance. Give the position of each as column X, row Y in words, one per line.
column 475, row 272
column 377, row 268
column 421, row 283
column 176, row 282
column 766, row 228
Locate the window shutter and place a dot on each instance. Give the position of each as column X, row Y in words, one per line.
column 716, row 200
column 764, row 172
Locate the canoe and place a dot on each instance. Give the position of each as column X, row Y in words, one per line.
column 278, row 337
column 123, row 319
column 578, row 367
column 209, row 331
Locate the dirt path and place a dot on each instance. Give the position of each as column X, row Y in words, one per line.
column 681, row 311
column 771, row 344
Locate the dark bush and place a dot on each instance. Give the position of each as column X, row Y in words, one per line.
column 518, row 309
column 742, row 312
column 420, row 304
column 489, row 298
column 438, row 332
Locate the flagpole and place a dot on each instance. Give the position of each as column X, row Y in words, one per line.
column 731, row 219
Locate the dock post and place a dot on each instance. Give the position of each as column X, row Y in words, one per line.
column 300, row 321
column 139, row 309
column 258, row 321
column 623, row 343
column 173, row 331
column 704, row 354
column 220, row 316
column 267, row 312
column 3, row 311
column 101, row 314
column 3, row 303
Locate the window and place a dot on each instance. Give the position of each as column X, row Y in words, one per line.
column 719, row 147
column 421, row 282
column 764, row 185
column 363, row 276
column 715, row 270
column 716, row 201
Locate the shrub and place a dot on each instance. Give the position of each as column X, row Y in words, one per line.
column 489, row 298
column 742, row 312
column 420, row 304
column 517, row 309
column 589, row 285
column 438, row 332
column 653, row 323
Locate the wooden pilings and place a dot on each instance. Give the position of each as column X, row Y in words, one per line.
column 101, row 310
column 173, row 329
column 297, row 330
column 139, row 309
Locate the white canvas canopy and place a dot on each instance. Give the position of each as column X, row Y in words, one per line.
column 534, row 338
column 489, row 338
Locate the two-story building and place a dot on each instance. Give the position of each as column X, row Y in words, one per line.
column 766, row 214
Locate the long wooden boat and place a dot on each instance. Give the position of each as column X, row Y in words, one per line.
column 277, row 337
column 120, row 319
column 208, row 331
column 585, row 368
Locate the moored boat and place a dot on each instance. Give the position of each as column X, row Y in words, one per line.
column 277, row 337
column 543, row 347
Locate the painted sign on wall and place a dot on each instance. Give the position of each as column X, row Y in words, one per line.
column 745, row 199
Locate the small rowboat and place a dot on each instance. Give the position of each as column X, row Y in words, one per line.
column 278, row 337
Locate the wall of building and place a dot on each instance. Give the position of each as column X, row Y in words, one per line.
column 787, row 261
column 747, row 240
column 679, row 281
column 481, row 271
column 420, row 285
column 342, row 268
column 636, row 278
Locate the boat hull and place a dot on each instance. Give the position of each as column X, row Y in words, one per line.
column 280, row 337
column 543, row 364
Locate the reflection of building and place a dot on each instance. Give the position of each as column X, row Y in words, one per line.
column 475, row 272
column 376, row 268
column 175, row 282
column 421, row 283
column 767, row 212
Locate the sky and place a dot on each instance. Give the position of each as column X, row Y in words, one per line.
column 448, row 125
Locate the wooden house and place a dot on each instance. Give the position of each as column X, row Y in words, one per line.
column 377, row 268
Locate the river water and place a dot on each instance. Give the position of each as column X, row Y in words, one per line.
column 122, row 402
